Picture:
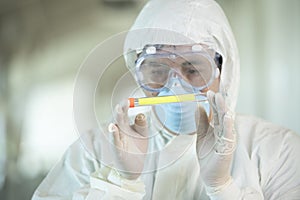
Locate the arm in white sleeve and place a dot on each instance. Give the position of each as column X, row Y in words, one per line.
column 278, row 161
column 70, row 174
column 230, row 191
column 77, row 176
column 282, row 177
column 108, row 182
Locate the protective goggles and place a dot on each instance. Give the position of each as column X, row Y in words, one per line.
column 195, row 66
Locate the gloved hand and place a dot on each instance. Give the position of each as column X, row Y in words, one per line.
column 130, row 142
column 215, row 145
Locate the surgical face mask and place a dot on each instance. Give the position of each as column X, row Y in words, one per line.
column 179, row 118
column 158, row 64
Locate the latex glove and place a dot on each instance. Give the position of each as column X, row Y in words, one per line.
column 215, row 145
column 130, row 142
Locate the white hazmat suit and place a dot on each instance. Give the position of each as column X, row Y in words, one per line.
column 265, row 164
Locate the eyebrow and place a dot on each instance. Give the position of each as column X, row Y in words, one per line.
column 192, row 62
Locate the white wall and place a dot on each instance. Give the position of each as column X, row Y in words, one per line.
column 267, row 34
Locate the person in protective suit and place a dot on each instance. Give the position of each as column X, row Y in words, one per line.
column 186, row 150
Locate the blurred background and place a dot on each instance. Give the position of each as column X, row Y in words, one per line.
column 43, row 43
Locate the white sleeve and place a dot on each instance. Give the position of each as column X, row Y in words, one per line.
column 282, row 179
column 70, row 174
column 279, row 169
column 108, row 183
column 232, row 192
column 79, row 177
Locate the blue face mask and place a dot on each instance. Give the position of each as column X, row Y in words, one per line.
column 178, row 118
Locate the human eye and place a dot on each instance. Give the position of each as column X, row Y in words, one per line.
column 190, row 70
column 156, row 72
column 159, row 72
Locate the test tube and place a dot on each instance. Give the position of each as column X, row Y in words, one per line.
column 149, row 101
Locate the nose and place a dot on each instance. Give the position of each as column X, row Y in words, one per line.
column 175, row 76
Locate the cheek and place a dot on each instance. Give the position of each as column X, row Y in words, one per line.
column 215, row 85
